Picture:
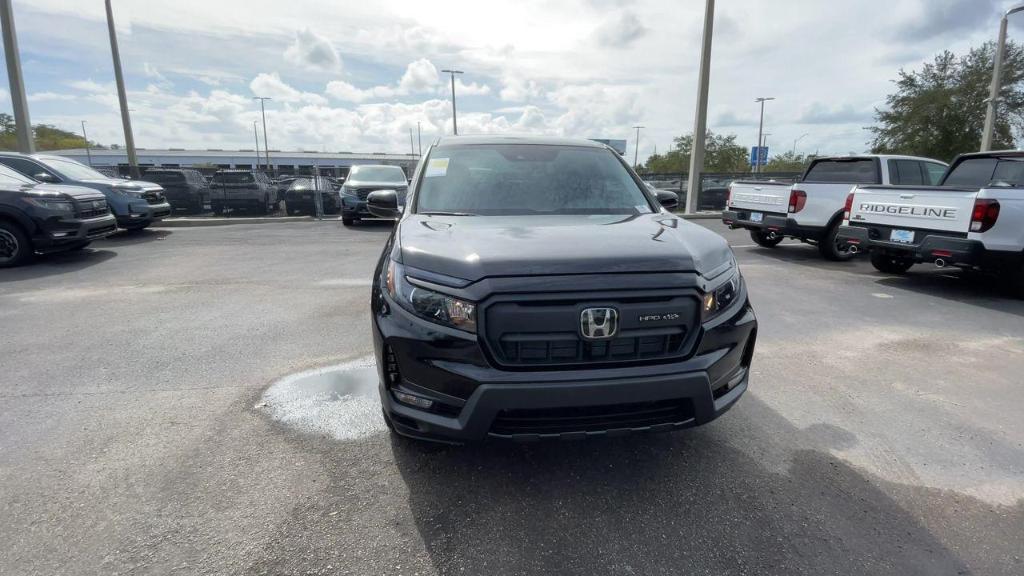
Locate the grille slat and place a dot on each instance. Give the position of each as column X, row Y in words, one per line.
column 528, row 349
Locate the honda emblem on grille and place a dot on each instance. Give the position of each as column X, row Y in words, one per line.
column 599, row 323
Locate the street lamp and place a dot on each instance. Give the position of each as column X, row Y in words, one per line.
column 760, row 134
column 88, row 153
column 122, row 95
column 263, row 112
column 636, row 149
column 256, row 137
column 997, row 80
column 802, row 136
column 700, row 123
column 455, row 123
column 26, row 144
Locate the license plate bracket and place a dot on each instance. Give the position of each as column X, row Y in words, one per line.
column 757, row 217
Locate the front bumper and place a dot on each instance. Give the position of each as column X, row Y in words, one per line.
column 354, row 208
column 771, row 222
column 144, row 213
column 55, row 234
column 474, row 401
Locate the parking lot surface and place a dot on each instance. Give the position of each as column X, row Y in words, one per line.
column 882, row 432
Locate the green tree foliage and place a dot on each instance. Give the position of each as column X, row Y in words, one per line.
column 788, row 162
column 46, row 137
column 939, row 111
column 722, row 154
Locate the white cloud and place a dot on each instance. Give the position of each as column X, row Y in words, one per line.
column 271, row 85
column 314, row 52
column 48, row 97
column 92, row 86
column 150, row 71
column 471, row 89
column 620, row 30
column 420, row 76
column 517, row 89
column 341, row 90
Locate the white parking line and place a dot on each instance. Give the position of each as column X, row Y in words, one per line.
column 745, row 246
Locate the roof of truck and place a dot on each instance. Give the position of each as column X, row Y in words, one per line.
column 879, row 156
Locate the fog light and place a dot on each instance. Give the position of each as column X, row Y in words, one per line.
column 412, row 400
column 60, row 234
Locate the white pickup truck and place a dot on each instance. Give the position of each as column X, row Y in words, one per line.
column 811, row 210
column 974, row 218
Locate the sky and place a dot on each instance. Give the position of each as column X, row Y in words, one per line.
column 357, row 76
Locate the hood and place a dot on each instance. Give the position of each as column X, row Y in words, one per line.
column 76, row 192
column 141, row 184
column 475, row 247
column 375, row 184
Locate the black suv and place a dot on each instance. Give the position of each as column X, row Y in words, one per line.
column 301, row 197
column 534, row 288
column 38, row 217
column 184, row 189
column 242, row 189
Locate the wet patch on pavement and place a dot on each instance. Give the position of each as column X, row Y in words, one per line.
column 337, row 401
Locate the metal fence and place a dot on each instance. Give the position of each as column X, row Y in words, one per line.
column 714, row 187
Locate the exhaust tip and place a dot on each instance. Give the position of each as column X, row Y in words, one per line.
column 854, row 249
column 939, row 262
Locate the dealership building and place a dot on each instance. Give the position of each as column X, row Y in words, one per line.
column 281, row 162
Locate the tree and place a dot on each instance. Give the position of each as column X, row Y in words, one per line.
column 788, row 162
column 47, row 137
column 939, row 111
column 722, row 154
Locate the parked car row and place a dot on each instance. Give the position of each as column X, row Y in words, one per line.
column 901, row 210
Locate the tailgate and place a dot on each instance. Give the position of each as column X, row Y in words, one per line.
column 930, row 208
column 770, row 197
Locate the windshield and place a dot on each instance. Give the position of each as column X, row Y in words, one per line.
column 10, row 177
column 979, row 172
column 854, row 171
column 233, row 178
column 165, row 177
column 509, row 179
column 377, row 174
column 72, row 170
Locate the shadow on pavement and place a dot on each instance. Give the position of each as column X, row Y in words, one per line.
column 684, row 503
column 58, row 263
column 125, row 237
column 959, row 286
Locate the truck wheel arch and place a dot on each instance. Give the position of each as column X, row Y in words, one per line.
column 19, row 218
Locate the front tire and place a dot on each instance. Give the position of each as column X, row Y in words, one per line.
column 829, row 246
column 15, row 246
column 762, row 239
column 890, row 264
column 348, row 221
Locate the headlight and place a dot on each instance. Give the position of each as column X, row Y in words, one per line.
column 723, row 295
column 433, row 306
column 55, row 204
column 345, row 191
column 129, row 190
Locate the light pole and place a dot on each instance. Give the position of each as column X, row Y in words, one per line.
column 997, row 80
column 455, row 123
column 700, row 125
column 760, row 133
column 26, row 145
column 122, row 96
column 636, row 148
column 263, row 112
column 802, row 136
column 412, row 146
column 256, row 136
column 88, row 153
column 419, row 139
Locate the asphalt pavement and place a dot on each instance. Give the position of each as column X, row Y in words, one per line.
column 145, row 429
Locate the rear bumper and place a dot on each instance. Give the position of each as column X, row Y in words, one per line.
column 929, row 247
column 770, row 222
column 481, row 401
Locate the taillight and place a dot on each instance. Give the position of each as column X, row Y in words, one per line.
column 797, row 199
column 985, row 214
column 848, row 208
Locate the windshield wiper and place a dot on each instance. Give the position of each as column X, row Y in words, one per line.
column 447, row 214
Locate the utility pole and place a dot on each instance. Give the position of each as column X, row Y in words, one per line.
column 997, row 81
column 88, row 153
column 256, row 136
column 700, row 125
column 455, row 122
column 636, row 148
column 26, row 145
column 122, row 96
column 760, row 133
column 419, row 139
column 263, row 112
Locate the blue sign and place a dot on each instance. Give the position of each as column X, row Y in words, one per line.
column 760, row 153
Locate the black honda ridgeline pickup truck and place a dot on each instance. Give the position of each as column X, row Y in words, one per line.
column 533, row 288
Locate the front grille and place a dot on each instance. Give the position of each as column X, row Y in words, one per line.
column 570, row 348
column 639, row 416
column 154, row 197
column 93, row 209
column 362, row 193
column 546, row 333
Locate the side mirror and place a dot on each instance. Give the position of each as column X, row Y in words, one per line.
column 668, row 200
column 45, row 177
column 383, row 204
